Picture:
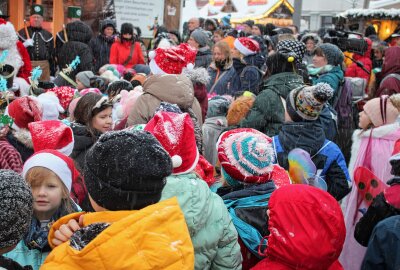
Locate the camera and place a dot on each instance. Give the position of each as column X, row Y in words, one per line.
column 347, row 41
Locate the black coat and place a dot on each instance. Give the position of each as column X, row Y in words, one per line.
column 101, row 46
column 9, row 264
column 83, row 141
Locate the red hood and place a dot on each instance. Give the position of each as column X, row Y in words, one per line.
column 367, row 53
column 307, row 228
column 391, row 64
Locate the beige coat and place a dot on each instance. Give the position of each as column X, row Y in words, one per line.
column 175, row 89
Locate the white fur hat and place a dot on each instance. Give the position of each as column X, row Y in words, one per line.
column 8, row 35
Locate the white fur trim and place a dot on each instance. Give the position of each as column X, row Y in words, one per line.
column 67, row 150
column 193, row 165
column 241, row 48
column 152, row 54
column 155, row 69
column 53, row 163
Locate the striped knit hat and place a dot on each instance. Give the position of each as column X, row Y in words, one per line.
column 246, row 155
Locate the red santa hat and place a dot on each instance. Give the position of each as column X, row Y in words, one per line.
column 24, row 110
column 56, row 162
column 65, row 94
column 175, row 132
column 8, row 35
column 172, row 60
column 396, row 151
column 52, row 134
column 246, row 46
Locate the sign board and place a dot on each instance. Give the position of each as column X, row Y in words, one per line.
column 140, row 13
column 217, row 3
column 257, row 2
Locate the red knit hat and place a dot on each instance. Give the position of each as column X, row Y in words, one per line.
column 172, row 60
column 175, row 132
column 52, row 134
column 246, row 46
column 24, row 110
column 65, row 94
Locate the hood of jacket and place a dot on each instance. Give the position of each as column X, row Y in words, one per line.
column 79, row 31
column 283, row 83
column 308, row 136
column 197, row 75
column 107, row 22
column 306, row 227
column 313, row 36
column 82, row 138
column 164, row 241
column 175, row 89
column 391, row 64
column 257, row 60
column 23, row 136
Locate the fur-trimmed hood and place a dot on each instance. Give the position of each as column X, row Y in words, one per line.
column 197, row 75
column 23, row 136
column 314, row 36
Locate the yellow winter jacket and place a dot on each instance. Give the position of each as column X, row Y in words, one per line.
column 155, row 237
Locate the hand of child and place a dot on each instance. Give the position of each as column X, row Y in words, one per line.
column 64, row 233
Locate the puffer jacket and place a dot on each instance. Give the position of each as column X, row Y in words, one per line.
column 174, row 89
column 155, row 237
column 355, row 71
column 213, row 234
column 120, row 51
column 101, row 46
column 220, row 79
column 248, row 75
column 333, row 77
column 268, row 112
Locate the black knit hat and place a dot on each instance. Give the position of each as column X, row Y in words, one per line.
column 116, row 87
column 126, row 170
column 127, row 28
column 15, row 208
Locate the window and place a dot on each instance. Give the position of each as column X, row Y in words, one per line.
column 326, row 21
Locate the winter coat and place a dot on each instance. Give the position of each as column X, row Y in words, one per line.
column 332, row 77
column 120, row 52
column 308, row 56
column 248, row 75
column 383, row 249
column 213, row 234
column 325, row 154
column 6, row 263
column 155, row 237
column 10, row 158
column 27, row 257
column 199, row 78
column 220, row 80
column 382, row 143
column 355, row 71
column 21, row 140
column 175, row 89
column 101, row 47
column 306, row 232
column 385, row 205
column 212, row 128
column 268, row 112
column 203, row 57
column 390, row 65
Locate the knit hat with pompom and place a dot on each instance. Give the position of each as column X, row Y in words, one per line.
column 307, row 102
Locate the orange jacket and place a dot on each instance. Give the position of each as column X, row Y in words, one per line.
column 155, row 237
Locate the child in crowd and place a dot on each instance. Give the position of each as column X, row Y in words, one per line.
column 83, row 79
column 15, row 215
column 50, row 175
column 372, row 147
column 125, row 173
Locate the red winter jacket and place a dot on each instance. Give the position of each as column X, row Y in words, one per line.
column 25, row 70
column 120, row 52
column 307, row 230
column 391, row 65
column 355, row 71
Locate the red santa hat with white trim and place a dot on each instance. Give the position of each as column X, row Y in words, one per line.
column 52, row 134
column 56, row 162
column 246, row 46
column 175, row 132
column 24, row 110
column 172, row 60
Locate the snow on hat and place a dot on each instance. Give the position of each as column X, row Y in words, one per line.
column 84, row 77
column 383, row 110
column 175, row 132
column 292, row 48
column 52, row 134
column 246, row 155
column 172, row 60
column 15, row 208
column 8, row 35
column 246, row 46
column 126, row 170
column 24, row 110
column 307, row 102
column 51, row 106
column 65, row 94
column 60, row 164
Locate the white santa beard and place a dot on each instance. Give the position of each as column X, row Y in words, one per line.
column 14, row 58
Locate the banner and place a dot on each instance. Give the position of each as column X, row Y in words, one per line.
column 257, row 2
column 217, row 3
column 140, row 13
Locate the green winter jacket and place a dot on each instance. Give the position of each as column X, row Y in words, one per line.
column 268, row 113
column 213, row 234
column 332, row 77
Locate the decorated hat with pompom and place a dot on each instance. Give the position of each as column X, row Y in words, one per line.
column 246, row 46
column 172, row 60
column 307, row 102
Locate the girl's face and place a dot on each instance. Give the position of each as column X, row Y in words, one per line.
column 217, row 38
column 79, row 85
column 127, row 36
column 235, row 53
column 364, row 121
column 103, row 120
column 319, row 61
column 47, row 196
column 193, row 43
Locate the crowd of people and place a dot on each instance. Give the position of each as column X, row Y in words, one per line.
column 218, row 148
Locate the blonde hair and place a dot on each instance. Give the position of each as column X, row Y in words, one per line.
column 36, row 176
column 225, row 49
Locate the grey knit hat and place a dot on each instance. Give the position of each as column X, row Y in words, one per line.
column 15, row 208
column 200, row 37
column 333, row 54
column 84, row 77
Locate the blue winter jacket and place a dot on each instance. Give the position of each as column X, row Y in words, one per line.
column 220, row 79
column 25, row 256
column 248, row 75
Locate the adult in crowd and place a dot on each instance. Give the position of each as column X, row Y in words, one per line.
column 218, row 35
column 199, row 40
column 73, row 14
column 312, row 41
column 101, row 45
column 193, row 24
column 258, row 30
column 353, row 70
column 247, row 27
column 389, row 77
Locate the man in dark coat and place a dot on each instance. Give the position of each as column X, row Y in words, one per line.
column 101, row 45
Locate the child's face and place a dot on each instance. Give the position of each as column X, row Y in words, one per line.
column 47, row 197
column 80, row 85
column 364, row 120
column 103, row 120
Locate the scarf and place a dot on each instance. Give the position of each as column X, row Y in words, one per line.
column 314, row 71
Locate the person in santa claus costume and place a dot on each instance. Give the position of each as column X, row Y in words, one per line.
column 18, row 57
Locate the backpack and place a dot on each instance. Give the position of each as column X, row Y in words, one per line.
column 343, row 103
